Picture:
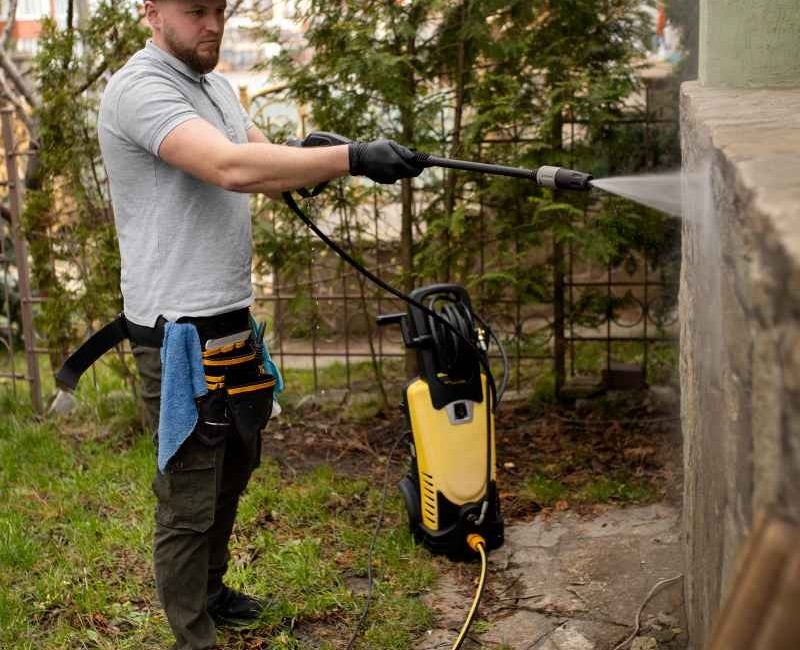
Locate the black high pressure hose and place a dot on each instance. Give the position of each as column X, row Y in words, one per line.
column 290, row 201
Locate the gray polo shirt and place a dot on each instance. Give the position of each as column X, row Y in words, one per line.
column 185, row 244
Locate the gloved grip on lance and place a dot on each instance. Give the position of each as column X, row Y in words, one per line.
column 551, row 176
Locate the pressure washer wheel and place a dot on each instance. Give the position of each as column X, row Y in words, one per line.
column 410, row 491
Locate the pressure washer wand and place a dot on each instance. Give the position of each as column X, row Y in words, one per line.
column 547, row 175
column 559, row 178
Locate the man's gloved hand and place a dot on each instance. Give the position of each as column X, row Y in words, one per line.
column 383, row 161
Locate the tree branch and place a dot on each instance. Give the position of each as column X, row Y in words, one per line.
column 19, row 83
column 233, row 8
column 10, row 20
column 11, row 98
column 70, row 14
column 94, row 76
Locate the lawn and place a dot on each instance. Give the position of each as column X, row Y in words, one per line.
column 76, row 522
column 76, row 513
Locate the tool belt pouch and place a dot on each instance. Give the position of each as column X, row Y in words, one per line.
column 239, row 399
column 249, row 407
column 213, row 423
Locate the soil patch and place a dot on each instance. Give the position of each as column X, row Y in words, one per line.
column 620, row 449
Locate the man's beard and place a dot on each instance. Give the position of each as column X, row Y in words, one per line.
column 201, row 63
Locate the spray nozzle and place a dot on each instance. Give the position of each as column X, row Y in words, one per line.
column 561, row 178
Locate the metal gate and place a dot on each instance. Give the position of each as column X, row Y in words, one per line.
column 17, row 298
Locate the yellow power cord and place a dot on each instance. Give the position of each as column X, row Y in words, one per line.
column 478, row 544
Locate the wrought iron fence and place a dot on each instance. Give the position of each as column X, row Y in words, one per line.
column 325, row 315
column 16, row 287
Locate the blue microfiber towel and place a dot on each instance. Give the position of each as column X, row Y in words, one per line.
column 182, row 381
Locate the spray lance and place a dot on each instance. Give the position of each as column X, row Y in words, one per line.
column 559, row 178
column 439, row 333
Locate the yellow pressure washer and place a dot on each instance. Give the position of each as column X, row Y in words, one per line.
column 450, row 490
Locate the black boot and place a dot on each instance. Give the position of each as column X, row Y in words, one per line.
column 229, row 607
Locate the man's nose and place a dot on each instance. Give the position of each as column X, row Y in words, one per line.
column 214, row 23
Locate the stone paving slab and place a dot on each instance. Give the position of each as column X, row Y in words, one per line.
column 571, row 582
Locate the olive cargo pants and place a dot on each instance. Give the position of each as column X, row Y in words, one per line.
column 197, row 497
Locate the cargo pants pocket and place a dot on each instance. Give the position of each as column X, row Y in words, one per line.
column 186, row 489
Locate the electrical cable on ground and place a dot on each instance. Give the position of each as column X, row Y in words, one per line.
column 477, row 543
column 638, row 623
column 375, row 533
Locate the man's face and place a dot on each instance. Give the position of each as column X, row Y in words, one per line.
column 191, row 30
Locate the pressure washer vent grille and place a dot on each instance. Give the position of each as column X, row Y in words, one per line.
column 430, row 513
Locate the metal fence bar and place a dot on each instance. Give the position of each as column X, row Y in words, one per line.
column 8, row 341
column 21, row 255
column 378, row 268
column 314, row 311
column 645, row 316
column 558, row 315
column 345, row 226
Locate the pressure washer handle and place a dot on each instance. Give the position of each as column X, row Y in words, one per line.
column 546, row 176
column 390, row 319
column 316, row 139
column 410, row 339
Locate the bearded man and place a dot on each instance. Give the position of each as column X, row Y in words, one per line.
column 182, row 156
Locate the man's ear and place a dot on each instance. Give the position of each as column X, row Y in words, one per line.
column 152, row 13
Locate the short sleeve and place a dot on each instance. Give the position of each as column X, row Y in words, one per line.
column 149, row 109
column 248, row 121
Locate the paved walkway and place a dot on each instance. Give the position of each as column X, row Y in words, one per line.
column 572, row 582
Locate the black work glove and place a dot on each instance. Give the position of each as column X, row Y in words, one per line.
column 383, row 161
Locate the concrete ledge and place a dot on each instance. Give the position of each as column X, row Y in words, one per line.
column 740, row 328
column 758, row 134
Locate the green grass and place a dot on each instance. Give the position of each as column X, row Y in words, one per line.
column 334, row 375
column 662, row 358
column 621, row 488
column 544, row 491
column 76, row 515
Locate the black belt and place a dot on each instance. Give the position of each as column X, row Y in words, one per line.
column 208, row 327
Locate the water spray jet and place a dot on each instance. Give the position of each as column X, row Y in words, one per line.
column 662, row 192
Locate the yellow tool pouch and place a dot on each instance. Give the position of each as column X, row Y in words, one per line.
column 239, row 399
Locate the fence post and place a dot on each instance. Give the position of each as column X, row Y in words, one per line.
column 559, row 341
column 21, row 253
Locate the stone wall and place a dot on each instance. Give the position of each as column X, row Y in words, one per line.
column 740, row 328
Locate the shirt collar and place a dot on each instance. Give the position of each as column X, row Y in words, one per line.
column 173, row 61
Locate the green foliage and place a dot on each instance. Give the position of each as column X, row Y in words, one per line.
column 494, row 80
column 69, row 221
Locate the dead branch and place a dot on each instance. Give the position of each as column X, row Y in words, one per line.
column 233, row 8
column 93, row 76
column 10, row 21
column 17, row 80
column 19, row 107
